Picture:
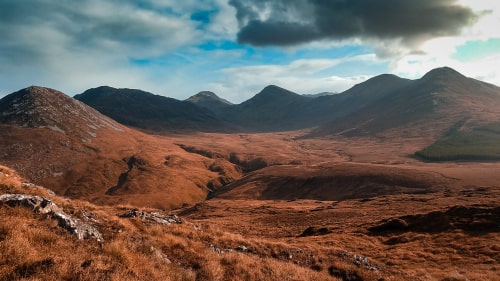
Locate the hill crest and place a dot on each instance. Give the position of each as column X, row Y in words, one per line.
column 40, row 107
column 205, row 96
column 148, row 111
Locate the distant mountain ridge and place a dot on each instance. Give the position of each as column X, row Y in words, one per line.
column 210, row 101
column 273, row 108
column 147, row 111
column 385, row 102
column 437, row 101
column 319, row 94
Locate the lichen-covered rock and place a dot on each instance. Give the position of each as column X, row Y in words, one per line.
column 42, row 205
column 155, row 217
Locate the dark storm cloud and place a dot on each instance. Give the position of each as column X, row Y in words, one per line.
column 291, row 22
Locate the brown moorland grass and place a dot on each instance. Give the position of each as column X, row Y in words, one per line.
column 408, row 255
column 270, row 229
column 33, row 247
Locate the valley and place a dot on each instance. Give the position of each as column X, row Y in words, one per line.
column 369, row 184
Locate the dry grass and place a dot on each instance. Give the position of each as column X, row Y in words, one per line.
column 272, row 227
column 33, row 247
column 206, row 246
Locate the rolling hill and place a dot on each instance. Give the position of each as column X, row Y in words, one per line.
column 57, row 141
column 336, row 182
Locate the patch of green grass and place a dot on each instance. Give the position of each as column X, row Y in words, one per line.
column 481, row 143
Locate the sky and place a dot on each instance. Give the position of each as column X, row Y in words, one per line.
column 237, row 47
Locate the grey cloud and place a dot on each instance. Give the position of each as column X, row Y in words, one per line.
column 276, row 33
column 72, row 45
column 32, row 28
column 283, row 23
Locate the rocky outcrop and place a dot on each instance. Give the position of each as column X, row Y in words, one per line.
column 152, row 217
column 42, row 205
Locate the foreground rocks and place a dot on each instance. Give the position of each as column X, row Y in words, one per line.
column 42, row 205
column 152, row 217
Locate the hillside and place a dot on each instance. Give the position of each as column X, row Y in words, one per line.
column 429, row 105
column 272, row 109
column 333, row 183
column 385, row 105
column 61, row 143
column 210, row 101
column 394, row 237
column 150, row 112
column 133, row 244
column 476, row 144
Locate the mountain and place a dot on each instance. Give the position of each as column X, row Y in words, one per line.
column 147, row 111
column 386, row 105
column 37, row 107
column 319, row 94
column 57, row 141
column 429, row 105
column 272, row 109
column 210, row 101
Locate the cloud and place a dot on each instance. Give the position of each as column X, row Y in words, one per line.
column 80, row 44
column 303, row 76
column 90, row 24
column 446, row 51
column 292, row 22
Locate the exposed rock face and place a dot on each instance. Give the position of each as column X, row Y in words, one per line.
column 154, row 217
column 42, row 205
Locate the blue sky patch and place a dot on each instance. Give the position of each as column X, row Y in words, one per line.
column 473, row 50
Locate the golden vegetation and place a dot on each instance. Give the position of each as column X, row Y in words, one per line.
column 256, row 240
column 33, row 247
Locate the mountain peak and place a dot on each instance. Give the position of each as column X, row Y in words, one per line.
column 207, row 96
column 443, row 73
column 273, row 91
column 275, row 88
column 40, row 107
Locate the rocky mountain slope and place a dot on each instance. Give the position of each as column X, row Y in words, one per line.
column 37, row 107
column 59, row 142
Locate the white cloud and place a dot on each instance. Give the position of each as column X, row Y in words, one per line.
column 84, row 44
column 301, row 76
column 442, row 51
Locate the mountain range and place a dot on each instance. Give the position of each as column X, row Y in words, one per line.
column 385, row 102
column 281, row 186
column 70, row 146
